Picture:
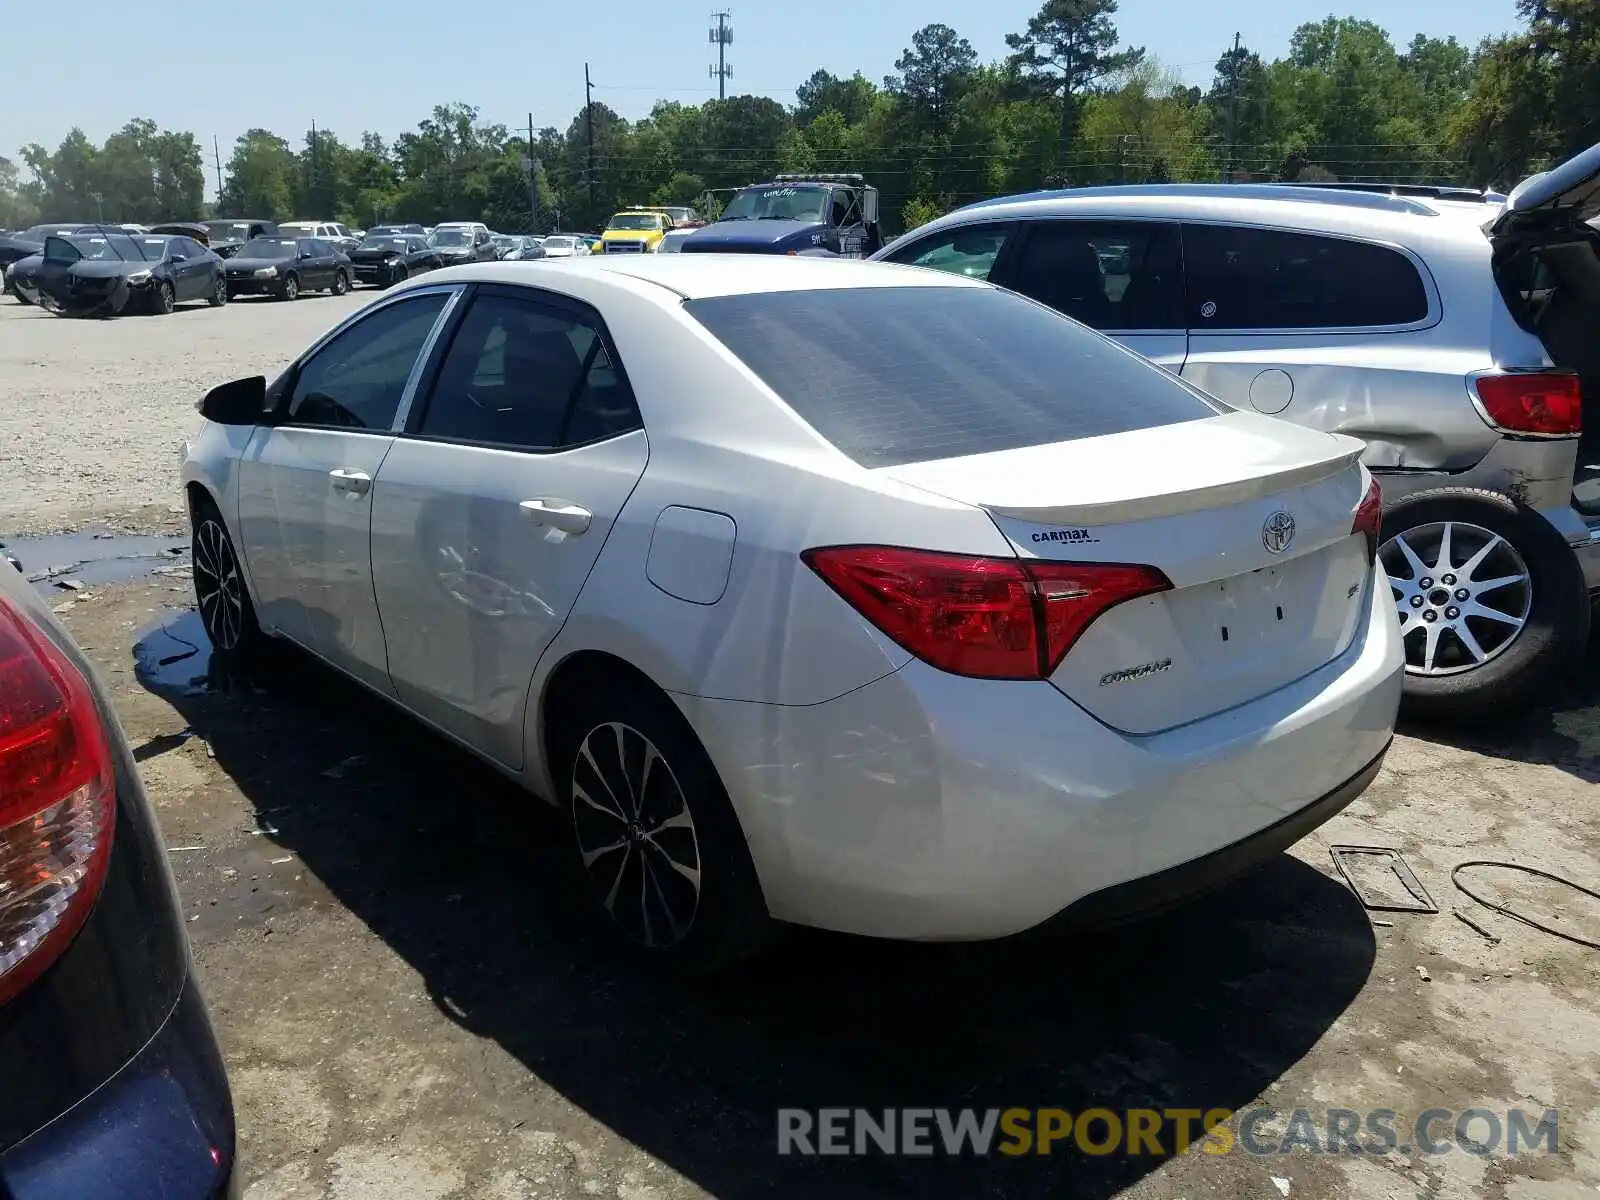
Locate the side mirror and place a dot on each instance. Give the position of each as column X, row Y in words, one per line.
column 242, row 402
column 306, row 254
column 180, row 258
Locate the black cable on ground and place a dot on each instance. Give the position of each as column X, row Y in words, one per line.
column 1516, row 916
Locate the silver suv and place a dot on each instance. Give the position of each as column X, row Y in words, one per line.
column 1455, row 339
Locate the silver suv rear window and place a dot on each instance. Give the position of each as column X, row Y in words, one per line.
column 902, row 375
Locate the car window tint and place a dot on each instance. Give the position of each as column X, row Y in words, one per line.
column 1243, row 278
column 523, row 375
column 970, row 252
column 59, row 250
column 1107, row 274
column 356, row 380
column 901, row 375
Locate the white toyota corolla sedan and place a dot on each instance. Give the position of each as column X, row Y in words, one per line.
column 837, row 593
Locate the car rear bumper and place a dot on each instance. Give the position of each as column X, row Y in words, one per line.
column 161, row 1128
column 932, row 807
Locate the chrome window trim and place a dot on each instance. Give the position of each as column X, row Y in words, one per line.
column 453, row 292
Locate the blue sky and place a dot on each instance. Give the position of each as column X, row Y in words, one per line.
column 351, row 65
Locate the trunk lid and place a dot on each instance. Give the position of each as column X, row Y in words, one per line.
column 1565, row 195
column 1249, row 517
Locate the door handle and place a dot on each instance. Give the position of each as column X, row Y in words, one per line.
column 557, row 514
column 356, row 483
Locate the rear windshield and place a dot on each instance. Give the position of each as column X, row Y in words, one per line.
column 903, row 375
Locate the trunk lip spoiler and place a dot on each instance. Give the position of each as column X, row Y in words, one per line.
column 1177, row 503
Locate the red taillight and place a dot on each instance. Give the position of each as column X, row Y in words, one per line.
column 1549, row 404
column 57, row 801
column 992, row 618
column 1369, row 518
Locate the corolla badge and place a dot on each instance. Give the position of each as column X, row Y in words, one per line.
column 1277, row 532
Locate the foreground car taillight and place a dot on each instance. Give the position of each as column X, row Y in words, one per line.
column 57, row 801
column 1546, row 403
column 1369, row 518
column 991, row 618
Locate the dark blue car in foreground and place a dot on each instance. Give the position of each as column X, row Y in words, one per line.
column 111, row 1084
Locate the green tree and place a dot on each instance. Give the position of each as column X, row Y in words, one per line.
column 260, row 178
column 1068, row 47
column 822, row 92
column 934, row 72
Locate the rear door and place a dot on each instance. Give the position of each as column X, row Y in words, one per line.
column 1309, row 327
column 491, row 510
column 1122, row 278
column 305, row 482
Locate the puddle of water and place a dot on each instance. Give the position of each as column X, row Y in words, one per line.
column 172, row 656
column 95, row 557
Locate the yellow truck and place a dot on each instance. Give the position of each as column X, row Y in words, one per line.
column 634, row 230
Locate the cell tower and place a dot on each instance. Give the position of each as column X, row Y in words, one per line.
column 722, row 38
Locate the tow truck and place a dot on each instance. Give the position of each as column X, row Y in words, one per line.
column 814, row 214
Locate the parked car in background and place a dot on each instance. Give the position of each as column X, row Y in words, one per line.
column 13, row 248
column 383, row 259
column 565, row 245
column 411, row 227
column 189, row 229
column 1459, row 351
column 107, row 274
column 657, row 539
column 504, row 245
column 328, row 231
column 463, row 243
column 111, row 1083
column 230, row 233
column 287, row 266
column 531, row 248
column 672, row 241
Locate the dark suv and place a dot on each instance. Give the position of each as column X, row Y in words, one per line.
column 111, row 1084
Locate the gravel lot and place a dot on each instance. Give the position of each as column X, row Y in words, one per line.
column 411, row 1007
column 92, row 412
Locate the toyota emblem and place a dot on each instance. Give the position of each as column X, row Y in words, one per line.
column 1277, row 532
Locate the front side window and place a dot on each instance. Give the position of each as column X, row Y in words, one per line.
column 909, row 374
column 357, row 380
column 526, row 376
column 60, row 250
column 1108, row 274
column 970, row 252
column 1245, row 278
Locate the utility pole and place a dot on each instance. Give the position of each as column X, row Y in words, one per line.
column 216, row 152
column 588, row 116
column 1233, row 102
column 311, row 168
column 531, row 164
column 722, row 38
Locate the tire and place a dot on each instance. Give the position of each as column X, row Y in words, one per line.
column 165, row 298
column 1501, row 666
column 401, row 274
column 219, row 589
column 341, row 283
column 686, row 927
column 290, row 289
column 219, row 292
column 20, row 298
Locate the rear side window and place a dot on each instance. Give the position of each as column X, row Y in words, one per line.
column 903, row 375
column 1244, row 278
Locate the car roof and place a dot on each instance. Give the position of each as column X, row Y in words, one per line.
column 701, row 276
column 1401, row 219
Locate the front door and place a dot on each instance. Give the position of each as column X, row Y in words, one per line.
column 490, row 512
column 1119, row 277
column 305, row 483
